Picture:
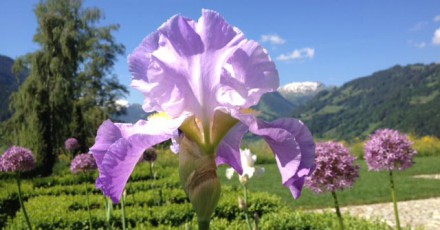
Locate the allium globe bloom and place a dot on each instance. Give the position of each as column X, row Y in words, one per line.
column 71, row 144
column 82, row 163
column 150, row 155
column 335, row 168
column 201, row 77
column 17, row 159
column 387, row 149
column 249, row 169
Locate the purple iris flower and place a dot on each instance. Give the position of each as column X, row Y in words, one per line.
column 201, row 77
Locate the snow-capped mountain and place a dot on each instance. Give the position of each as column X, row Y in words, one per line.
column 301, row 88
column 299, row 93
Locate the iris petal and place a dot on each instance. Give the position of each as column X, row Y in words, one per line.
column 199, row 67
column 228, row 151
column 118, row 148
column 292, row 144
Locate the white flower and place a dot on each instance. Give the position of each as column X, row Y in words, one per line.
column 249, row 170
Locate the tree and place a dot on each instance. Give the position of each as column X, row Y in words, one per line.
column 68, row 91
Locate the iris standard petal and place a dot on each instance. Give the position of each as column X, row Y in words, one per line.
column 118, row 148
column 199, row 67
column 292, row 144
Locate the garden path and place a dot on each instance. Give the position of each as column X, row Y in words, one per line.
column 414, row 213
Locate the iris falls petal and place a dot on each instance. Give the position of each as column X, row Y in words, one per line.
column 118, row 147
column 292, row 144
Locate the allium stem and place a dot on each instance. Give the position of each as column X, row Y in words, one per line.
column 393, row 195
column 153, row 178
column 338, row 212
column 152, row 171
column 246, row 208
column 21, row 202
column 108, row 212
column 123, row 211
column 88, row 205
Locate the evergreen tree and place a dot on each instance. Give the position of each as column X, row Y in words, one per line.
column 68, row 91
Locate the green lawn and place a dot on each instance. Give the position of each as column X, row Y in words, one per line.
column 372, row 187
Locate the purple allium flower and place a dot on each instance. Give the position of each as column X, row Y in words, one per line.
column 150, row 155
column 83, row 162
column 17, row 159
column 71, row 144
column 335, row 168
column 201, row 77
column 387, row 149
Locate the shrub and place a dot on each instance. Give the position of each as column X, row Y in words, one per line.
column 426, row 146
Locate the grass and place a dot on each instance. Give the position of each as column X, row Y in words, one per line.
column 372, row 187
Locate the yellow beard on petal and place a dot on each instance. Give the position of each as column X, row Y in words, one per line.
column 158, row 115
column 250, row 111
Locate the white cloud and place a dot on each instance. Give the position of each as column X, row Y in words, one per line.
column 436, row 18
column 436, row 38
column 298, row 54
column 272, row 39
column 121, row 103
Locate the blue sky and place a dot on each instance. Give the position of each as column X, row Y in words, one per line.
column 327, row 41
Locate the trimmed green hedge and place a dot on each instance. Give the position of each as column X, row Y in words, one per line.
column 58, row 202
column 70, row 212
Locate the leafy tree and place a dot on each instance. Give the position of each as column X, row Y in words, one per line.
column 68, row 91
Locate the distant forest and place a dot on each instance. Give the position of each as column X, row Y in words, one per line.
column 406, row 98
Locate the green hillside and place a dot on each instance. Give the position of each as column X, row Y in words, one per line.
column 404, row 98
column 273, row 105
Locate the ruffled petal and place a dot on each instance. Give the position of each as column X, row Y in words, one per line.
column 199, row 67
column 228, row 151
column 292, row 144
column 252, row 73
column 118, row 148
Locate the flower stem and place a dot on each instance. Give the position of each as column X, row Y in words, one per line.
column 338, row 212
column 152, row 171
column 153, row 178
column 203, row 225
column 88, row 205
column 246, row 215
column 21, row 202
column 108, row 212
column 393, row 195
column 123, row 211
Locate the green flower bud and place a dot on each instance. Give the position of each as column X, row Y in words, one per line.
column 199, row 179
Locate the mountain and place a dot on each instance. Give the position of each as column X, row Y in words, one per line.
column 133, row 113
column 299, row 93
column 8, row 84
column 289, row 97
column 273, row 105
column 406, row 98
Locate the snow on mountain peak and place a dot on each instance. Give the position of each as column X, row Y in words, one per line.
column 300, row 87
